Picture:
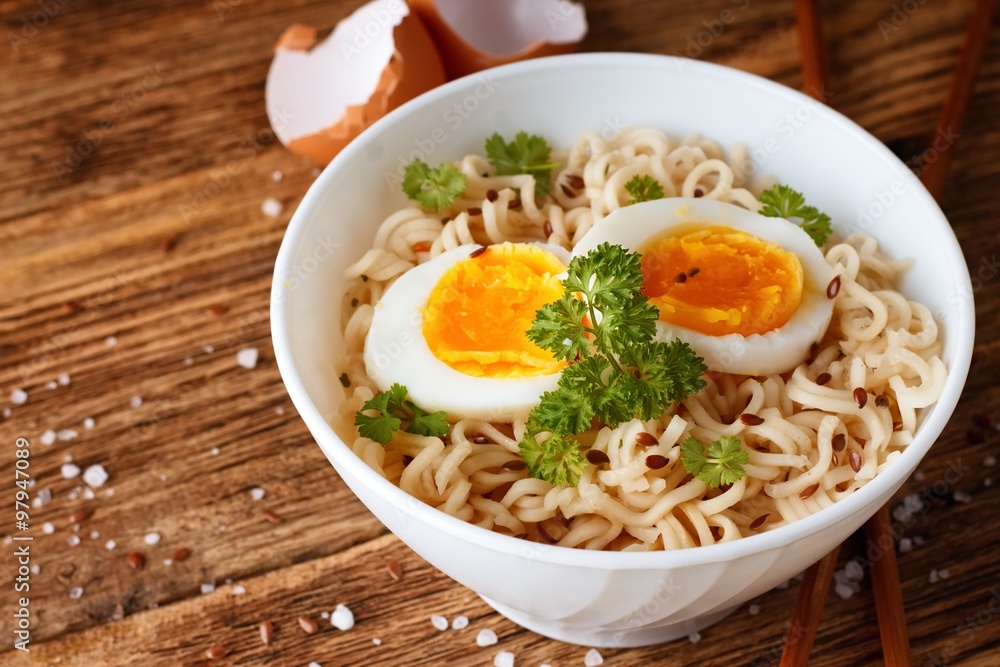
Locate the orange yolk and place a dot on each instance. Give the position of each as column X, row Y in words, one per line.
column 719, row 281
column 479, row 312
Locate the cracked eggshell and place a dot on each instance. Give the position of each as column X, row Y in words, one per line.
column 321, row 95
column 473, row 36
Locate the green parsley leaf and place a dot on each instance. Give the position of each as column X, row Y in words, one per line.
column 527, row 154
column 556, row 459
column 433, row 188
column 391, row 409
column 780, row 201
column 605, row 327
column 643, row 188
column 721, row 465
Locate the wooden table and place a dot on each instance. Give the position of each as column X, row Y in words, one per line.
column 136, row 155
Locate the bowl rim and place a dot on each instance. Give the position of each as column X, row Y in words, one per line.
column 962, row 326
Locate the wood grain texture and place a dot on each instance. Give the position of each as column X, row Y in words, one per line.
column 128, row 124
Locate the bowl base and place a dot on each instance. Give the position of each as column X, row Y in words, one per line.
column 598, row 638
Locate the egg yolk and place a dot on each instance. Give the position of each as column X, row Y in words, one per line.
column 479, row 312
column 719, row 281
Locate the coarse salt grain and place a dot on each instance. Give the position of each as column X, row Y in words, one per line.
column 94, row 534
column 48, row 528
column 844, row 591
column 88, row 423
column 151, row 538
column 42, row 498
column 272, row 207
column 135, row 402
column 73, row 540
column 215, row 451
column 36, row 569
column 324, row 615
column 51, row 384
column 694, row 637
column 188, row 361
column 754, row 609
column 48, row 438
column 944, row 573
column 962, row 497
column 905, row 545
column 76, row 593
column 503, row 659
column 69, row 470
column 63, row 379
column 315, row 664
column 247, row 357
column 95, row 476
column 88, row 493
column 19, row 397
column 67, row 434
column 110, row 341
column 990, row 461
column 342, row 618
column 257, row 493
column 594, row 658
column 7, row 413
column 276, row 175
column 439, row 622
column 854, row 570
column 376, row 641
column 110, row 545
column 486, row 638
column 933, row 577
column 209, row 349
column 460, row 623
column 207, row 588
column 239, row 590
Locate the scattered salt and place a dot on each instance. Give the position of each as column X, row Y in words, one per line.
column 207, row 588
column 73, row 540
column 460, row 623
column 76, row 593
column 94, row 534
column 95, row 476
column 36, row 569
column 504, row 659
column 257, row 493
column 962, row 497
column 754, row 609
column 42, row 498
column 247, row 357
column 110, row 545
column 151, row 538
column 135, row 402
column 209, row 349
column 933, row 577
column 990, row 461
column 486, row 638
column 239, row 590
column 88, row 423
column 594, row 658
column 88, row 493
column 694, row 637
column 905, row 545
column 439, row 622
column 918, row 540
column 19, row 397
column 67, row 434
column 69, row 470
column 844, row 591
column 272, row 207
column 342, row 618
column 988, row 482
column 47, row 438
column 110, row 341
column 376, row 641
column 854, row 571
column 63, row 379
column 215, row 451
column 314, row 664
column 276, row 176
column 7, row 413
column 944, row 573
column 279, row 411
column 167, row 562
column 48, row 528
column 51, row 384
column 919, row 476
column 783, row 585
column 188, row 361
column 324, row 615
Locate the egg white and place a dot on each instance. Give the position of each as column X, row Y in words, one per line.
column 396, row 351
column 776, row 351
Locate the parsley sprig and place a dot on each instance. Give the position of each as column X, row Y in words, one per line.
column 527, row 154
column 643, row 188
column 780, row 201
column 433, row 188
column 604, row 326
column 392, row 409
column 722, row 464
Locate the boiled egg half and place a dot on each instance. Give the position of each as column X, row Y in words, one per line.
column 745, row 291
column 453, row 330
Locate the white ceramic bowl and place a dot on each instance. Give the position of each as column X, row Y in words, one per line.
column 608, row 599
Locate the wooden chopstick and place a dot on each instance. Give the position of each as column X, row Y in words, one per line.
column 949, row 124
column 885, row 571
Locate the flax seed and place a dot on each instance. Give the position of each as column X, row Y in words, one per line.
column 759, row 521
column 272, row 517
column 136, row 560
column 266, row 631
column 473, row 212
column 644, row 439
column 395, row 570
column 860, row 397
column 80, row 515
column 881, row 401
column 597, row 457
column 308, row 625
column 181, row 554
column 839, row 442
column 680, row 278
column 514, row 465
column 833, row 288
column 547, row 229
column 823, row 378
column 808, row 491
column 568, row 191
column 478, row 251
column 491, row 195
column 216, row 652
column 575, row 181
column 693, row 271
column 656, row 461
column 855, row 461
column 751, row 420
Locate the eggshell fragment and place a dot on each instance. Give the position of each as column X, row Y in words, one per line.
column 473, row 36
column 321, row 95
